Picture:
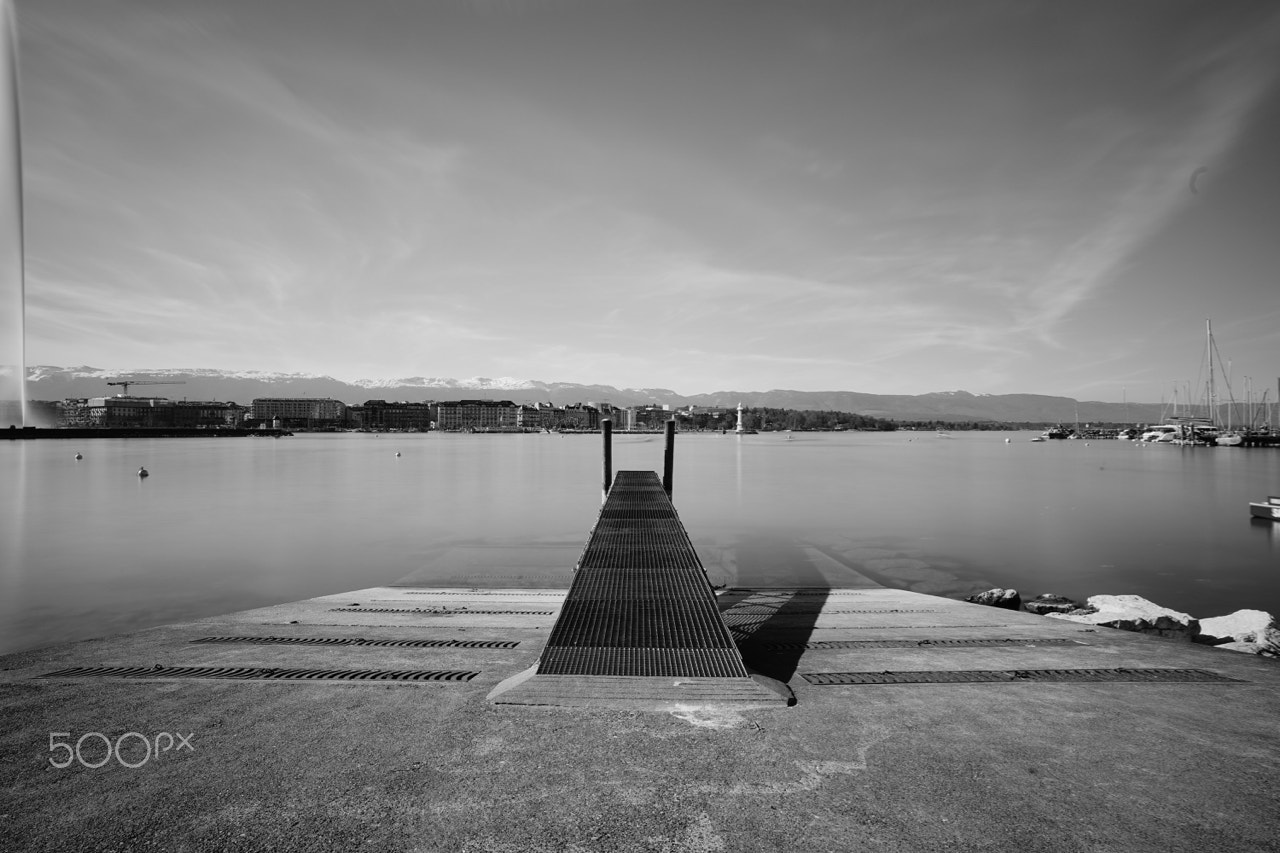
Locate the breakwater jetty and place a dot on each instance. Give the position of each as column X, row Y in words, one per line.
column 367, row 720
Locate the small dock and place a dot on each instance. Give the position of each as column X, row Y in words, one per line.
column 640, row 625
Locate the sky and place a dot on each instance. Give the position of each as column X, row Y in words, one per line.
column 887, row 197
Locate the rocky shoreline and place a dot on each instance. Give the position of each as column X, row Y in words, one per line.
column 1249, row 631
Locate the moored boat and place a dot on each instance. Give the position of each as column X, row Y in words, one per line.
column 1160, row 433
column 1270, row 509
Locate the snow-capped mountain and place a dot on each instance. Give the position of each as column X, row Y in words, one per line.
column 242, row 386
column 505, row 383
column 47, row 382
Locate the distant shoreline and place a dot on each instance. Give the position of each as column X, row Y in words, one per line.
column 32, row 433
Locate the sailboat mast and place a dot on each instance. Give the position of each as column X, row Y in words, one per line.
column 1208, row 329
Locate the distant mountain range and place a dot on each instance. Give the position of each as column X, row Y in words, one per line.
column 56, row 383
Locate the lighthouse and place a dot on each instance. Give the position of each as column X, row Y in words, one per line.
column 739, row 428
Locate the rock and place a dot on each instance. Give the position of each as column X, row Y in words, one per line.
column 1050, row 603
column 1241, row 626
column 1270, row 649
column 1250, row 631
column 1006, row 598
column 1134, row 613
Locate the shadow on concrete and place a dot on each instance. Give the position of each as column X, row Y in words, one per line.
column 776, row 645
column 777, row 601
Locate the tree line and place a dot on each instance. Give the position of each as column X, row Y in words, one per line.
column 764, row 418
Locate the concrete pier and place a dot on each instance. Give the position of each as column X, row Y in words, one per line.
column 1013, row 764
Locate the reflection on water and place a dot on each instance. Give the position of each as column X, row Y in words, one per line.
column 1268, row 529
column 226, row 524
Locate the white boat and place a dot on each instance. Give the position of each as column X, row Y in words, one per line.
column 1196, row 432
column 1190, row 432
column 1269, row 510
column 1162, row 433
column 1231, row 438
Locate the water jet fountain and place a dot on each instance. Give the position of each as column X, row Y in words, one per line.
column 13, row 362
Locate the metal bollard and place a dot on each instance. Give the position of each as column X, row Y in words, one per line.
column 669, row 457
column 606, row 431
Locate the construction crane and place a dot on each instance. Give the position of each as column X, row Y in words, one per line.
column 127, row 383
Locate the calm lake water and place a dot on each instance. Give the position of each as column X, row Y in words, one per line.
column 89, row 549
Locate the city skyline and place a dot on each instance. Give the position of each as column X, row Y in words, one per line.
column 894, row 198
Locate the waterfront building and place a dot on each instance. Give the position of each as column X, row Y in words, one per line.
column 477, row 414
column 531, row 417
column 206, row 414
column 381, row 415
column 301, row 412
column 355, row 418
column 648, row 417
column 579, row 416
column 124, row 411
column 608, row 410
column 73, row 412
column 153, row 412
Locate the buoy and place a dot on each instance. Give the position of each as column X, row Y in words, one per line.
column 78, row 457
column 1007, row 441
column 142, row 472
column 397, row 453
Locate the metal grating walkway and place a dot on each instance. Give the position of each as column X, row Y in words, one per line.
column 640, row 603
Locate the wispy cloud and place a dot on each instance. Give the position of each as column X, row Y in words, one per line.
column 911, row 197
column 1222, row 87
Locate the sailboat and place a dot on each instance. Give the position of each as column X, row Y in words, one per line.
column 1191, row 430
column 1231, row 438
column 1227, row 437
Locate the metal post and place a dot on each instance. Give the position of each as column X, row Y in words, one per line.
column 669, row 458
column 606, row 430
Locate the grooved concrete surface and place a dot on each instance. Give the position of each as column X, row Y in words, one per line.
column 435, row 767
